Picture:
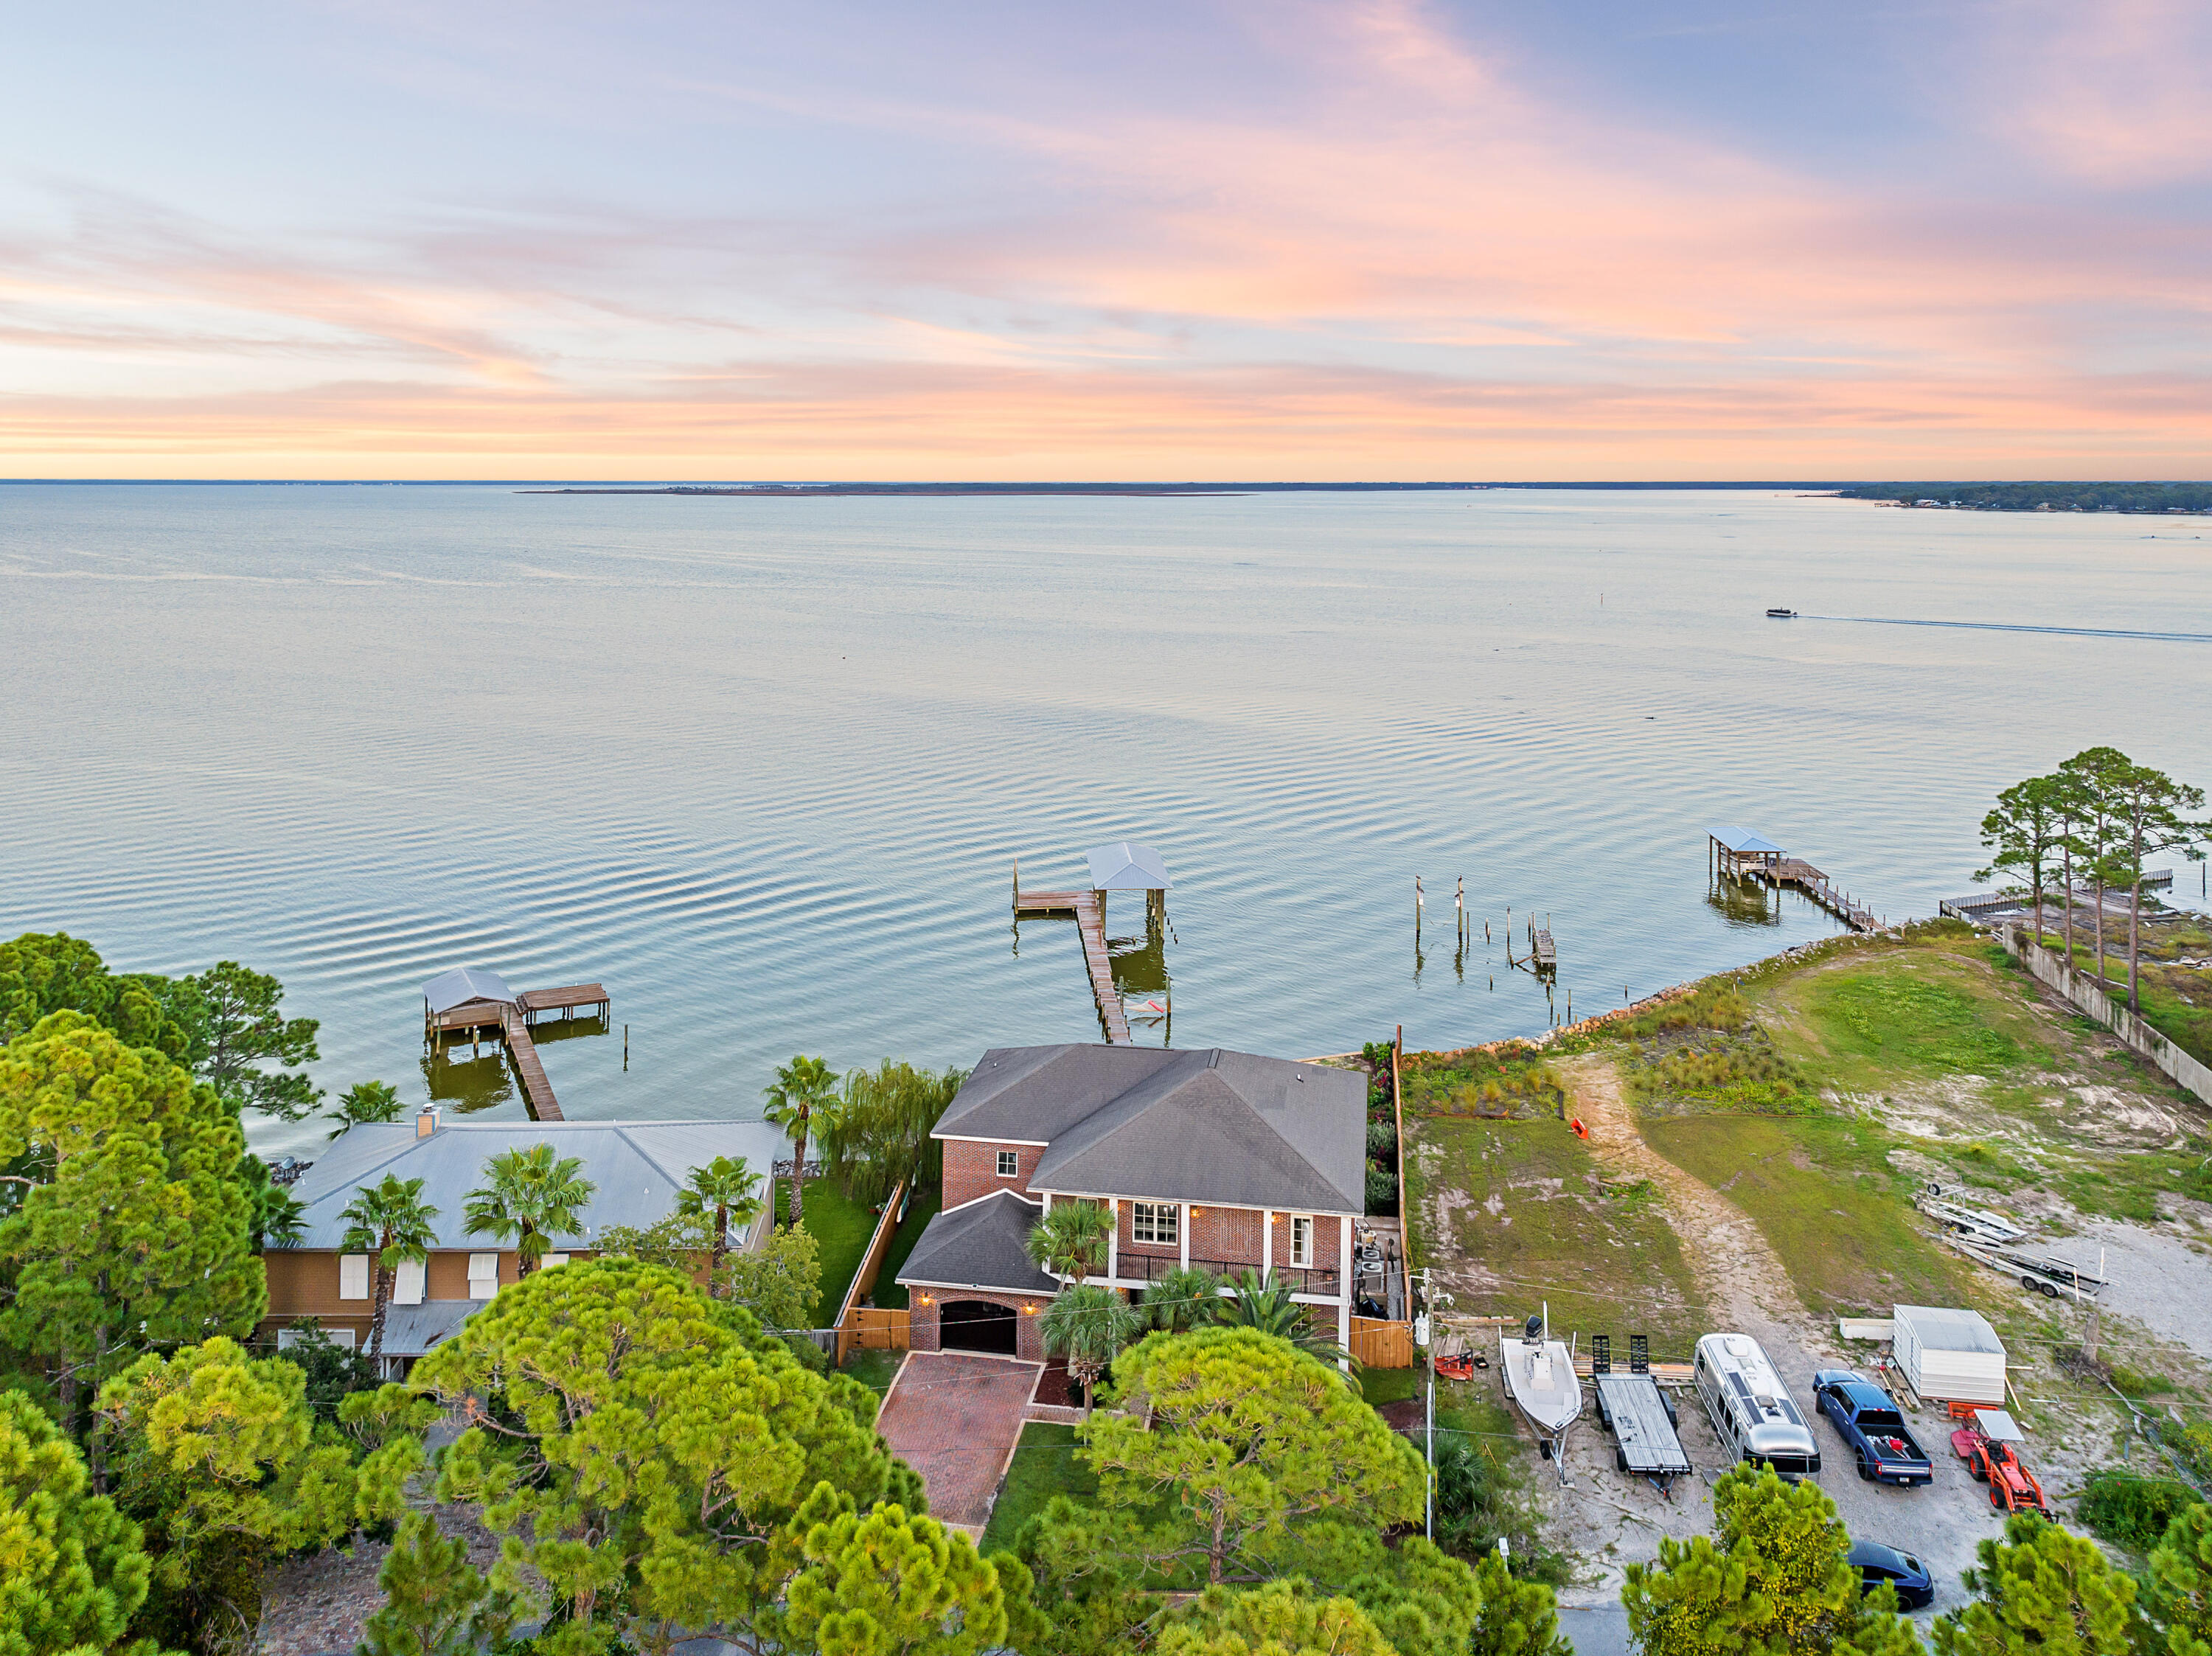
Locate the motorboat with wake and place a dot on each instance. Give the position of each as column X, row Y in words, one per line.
column 1540, row 1379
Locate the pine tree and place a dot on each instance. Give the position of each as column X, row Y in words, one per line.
column 436, row 1602
column 889, row 1584
column 2177, row 1588
column 215, row 1454
column 2043, row 1590
column 73, row 1571
column 138, row 1232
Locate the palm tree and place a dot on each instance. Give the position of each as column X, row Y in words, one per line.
column 729, row 1190
column 1267, row 1305
column 364, row 1101
column 391, row 1223
column 1182, row 1300
column 1070, row 1239
column 530, row 1196
column 1088, row 1325
column 803, row 1089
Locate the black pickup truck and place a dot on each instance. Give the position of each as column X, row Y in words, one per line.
column 1868, row 1421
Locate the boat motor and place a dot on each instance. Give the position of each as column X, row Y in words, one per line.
column 1534, row 1330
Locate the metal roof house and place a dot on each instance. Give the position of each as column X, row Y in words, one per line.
column 637, row 1169
column 1226, row 1160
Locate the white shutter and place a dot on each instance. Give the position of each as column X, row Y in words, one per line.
column 552, row 1259
column 353, row 1275
column 484, row 1276
column 407, row 1283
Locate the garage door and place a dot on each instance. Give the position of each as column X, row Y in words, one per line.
column 975, row 1326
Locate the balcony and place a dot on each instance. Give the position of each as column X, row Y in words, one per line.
column 1299, row 1279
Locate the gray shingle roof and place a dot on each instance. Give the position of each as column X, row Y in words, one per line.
column 980, row 1243
column 1232, row 1129
column 637, row 1165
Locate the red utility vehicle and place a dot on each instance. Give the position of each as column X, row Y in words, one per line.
column 2013, row 1487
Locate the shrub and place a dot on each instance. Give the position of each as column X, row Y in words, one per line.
column 2132, row 1510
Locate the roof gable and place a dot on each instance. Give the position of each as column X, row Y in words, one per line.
column 1228, row 1128
column 980, row 1243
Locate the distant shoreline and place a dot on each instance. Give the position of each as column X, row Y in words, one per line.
column 790, row 491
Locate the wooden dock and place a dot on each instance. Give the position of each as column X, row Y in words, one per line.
column 1091, row 922
column 512, row 1023
column 1816, row 885
column 1543, row 953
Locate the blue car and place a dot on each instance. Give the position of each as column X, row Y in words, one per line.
column 1875, row 1563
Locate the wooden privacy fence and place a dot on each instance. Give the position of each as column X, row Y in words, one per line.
column 864, row 1282
column 1377, row 1344
column 873, row 1328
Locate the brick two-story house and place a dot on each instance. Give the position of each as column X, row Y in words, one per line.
column 1210, row 1158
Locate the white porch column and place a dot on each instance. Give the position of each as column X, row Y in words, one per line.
column 1344, row 1285
column 1182, row 1235
column 1113, row 1235
column 1267, row 1243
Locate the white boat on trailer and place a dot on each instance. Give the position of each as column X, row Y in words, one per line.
column 1540, row 1379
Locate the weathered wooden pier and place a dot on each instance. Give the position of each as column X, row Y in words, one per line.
column 1091, row 921
column 1119, row 867
column 1745, row 856
column 473, row 1001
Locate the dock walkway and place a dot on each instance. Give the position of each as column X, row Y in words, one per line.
column 1091, row 922
column 512, row 1020
column 1817, row 886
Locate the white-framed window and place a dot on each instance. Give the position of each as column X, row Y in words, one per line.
column 353, row 1275
column 407, row 1281
column 1302, row 1239
column 289, row 1338
column 1157, row 1222
column 1010, row 1164
column 552, row 1259
column 484, row 1276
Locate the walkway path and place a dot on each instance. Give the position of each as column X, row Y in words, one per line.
column 955, row 1418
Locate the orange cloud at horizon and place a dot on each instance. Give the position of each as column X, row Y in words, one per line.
column 1421, row 268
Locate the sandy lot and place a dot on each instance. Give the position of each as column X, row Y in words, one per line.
column 1612, row 1519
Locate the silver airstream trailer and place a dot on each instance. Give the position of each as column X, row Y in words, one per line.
column 1751, row 1410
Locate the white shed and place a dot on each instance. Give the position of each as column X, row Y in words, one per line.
column 1951, row 1355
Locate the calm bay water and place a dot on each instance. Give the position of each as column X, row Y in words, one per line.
column 763, row 767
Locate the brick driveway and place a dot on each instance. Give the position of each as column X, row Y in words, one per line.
column 955, row 1418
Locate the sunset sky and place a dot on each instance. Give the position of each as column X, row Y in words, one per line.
column 1537, row 238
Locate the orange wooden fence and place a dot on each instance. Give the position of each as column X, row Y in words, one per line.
column 1378, row 1343
column 864, row 1280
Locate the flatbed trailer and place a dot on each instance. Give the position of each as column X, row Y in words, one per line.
column 1641, row 1422
column 2038, row 1273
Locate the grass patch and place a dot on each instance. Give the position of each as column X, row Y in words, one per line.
column 1519, row 1212
column 1823, row 1193
column 2129, row 1186
column 874, row 1369
column 1511, row 1084
column 839, row 1227
column 1712, row 1006
column 1381, row 1385
column 1888, row 1017
column 1904, row 1020
column 1045, row 1464
column 1709, row 1070
column 887, row 1290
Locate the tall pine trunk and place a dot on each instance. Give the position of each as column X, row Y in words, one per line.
column 2135, row 916
column 2068, row 854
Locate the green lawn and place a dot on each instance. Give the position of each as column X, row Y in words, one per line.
column 887, row 1290
column 1381, row 1385
column 1528, row 1216
column 840, row 1229
column 1045, row 1464
column 874, row 1369
column 1890, row 1014
column 1822, row 1192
